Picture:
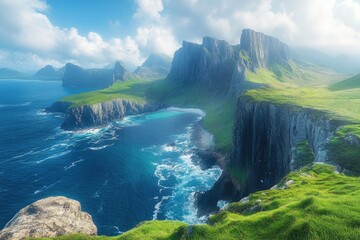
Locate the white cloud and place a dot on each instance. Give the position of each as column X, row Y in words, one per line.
column 28, row 37
column 29, row 40
column 148, row 9
column 156, row 40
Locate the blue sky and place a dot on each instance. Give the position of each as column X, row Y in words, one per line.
column 109, row 18
column 94, row 33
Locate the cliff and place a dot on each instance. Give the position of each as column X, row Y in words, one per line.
column 269, row 141
column 49, row 217
column 78, row 77
column 99, row 114
column 266, row 138
column 263, row 50
column 218, row 66
column 155, row 67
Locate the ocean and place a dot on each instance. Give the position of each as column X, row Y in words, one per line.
column 130, row 171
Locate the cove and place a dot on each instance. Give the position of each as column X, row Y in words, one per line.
column 138, row 169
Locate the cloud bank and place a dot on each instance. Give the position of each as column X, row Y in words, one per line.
column 29, row 40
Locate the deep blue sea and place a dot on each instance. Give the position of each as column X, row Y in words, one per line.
column 130, row 171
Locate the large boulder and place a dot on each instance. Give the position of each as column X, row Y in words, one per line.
column 49, row 217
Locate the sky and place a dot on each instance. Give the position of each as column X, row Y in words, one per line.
column 94, row 33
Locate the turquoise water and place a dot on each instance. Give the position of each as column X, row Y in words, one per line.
column 130, row 171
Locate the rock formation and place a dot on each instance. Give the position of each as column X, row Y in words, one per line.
column 265, row 141
column 100, row 114
column 49, row 217
column 218, row 66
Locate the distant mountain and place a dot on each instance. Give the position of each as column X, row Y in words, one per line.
column 78, row 77
column 155, row 67
column 9, row 73
column 50, row 73
column 342, row 63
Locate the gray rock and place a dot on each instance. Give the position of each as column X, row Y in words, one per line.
column 49, row 217
column 265, row 134
column 100, row 114
column 218, row 66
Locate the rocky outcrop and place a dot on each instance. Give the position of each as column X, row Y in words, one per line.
column 155, row 67
column 100, row 114
column 220, row 67
column 49, row 217
column 209, row 65
column 263, row 50
column 78, row 77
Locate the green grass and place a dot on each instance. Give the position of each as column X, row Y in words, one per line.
column 353, row 82
column 220, row 111
column 320, row 204
column 133, row 90
column 342, row 152
column 294, row 75
column 342, row 105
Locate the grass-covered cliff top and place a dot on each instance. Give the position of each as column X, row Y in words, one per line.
column 343, row 104
column 293, row 75
column 312, row 203
column 133, row 90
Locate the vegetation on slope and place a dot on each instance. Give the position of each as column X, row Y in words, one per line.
column 295, row 74
column 344, row 148
column 353, row 82
column 343, row 105
column 315, row 202
column 133, row 90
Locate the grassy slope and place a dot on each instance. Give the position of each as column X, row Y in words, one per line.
column 353, row 82
column 133, row 90
column 341, row 104
column 294, row 75
column 320, row 204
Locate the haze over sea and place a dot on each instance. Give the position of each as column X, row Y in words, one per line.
column 130, row 171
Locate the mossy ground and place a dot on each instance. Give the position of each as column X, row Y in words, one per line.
column 320, row 204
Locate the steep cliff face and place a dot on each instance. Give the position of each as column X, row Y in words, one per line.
column 210, row 65
column 100, row 114
column 219, row 66
column 266, row 137
column 266, row 145
column 49, row 217
column 263, row 50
